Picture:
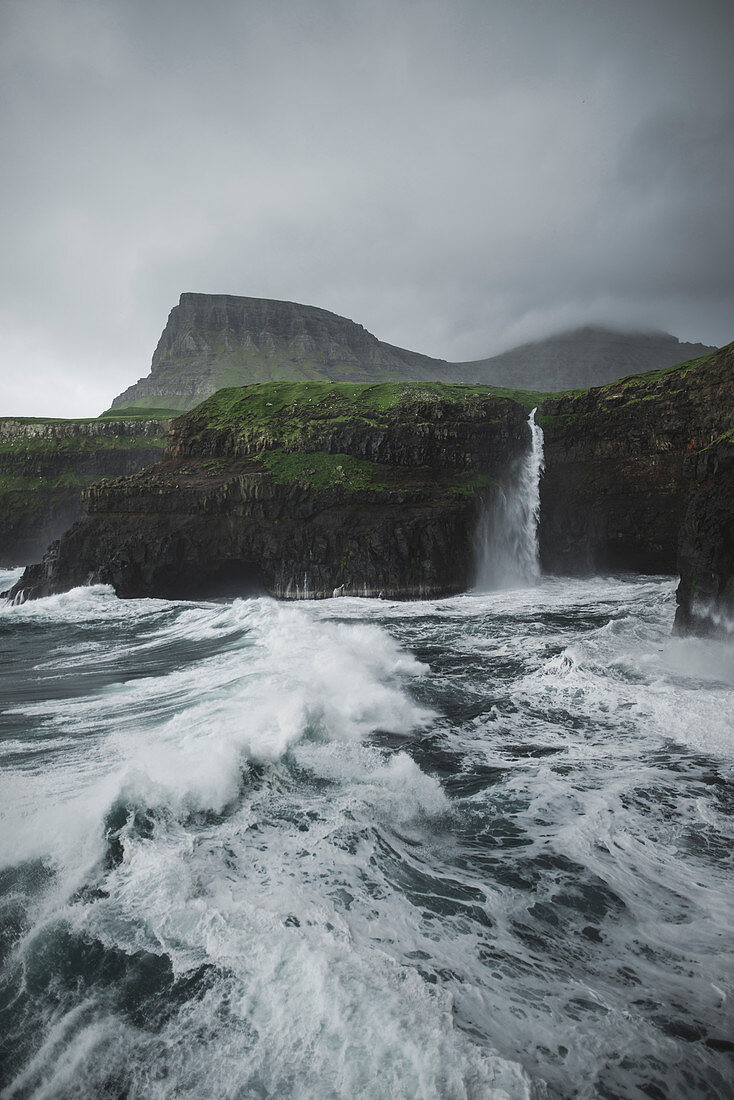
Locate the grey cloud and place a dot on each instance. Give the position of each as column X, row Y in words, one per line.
column 458, row 176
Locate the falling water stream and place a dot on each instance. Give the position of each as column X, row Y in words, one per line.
column 507, row 535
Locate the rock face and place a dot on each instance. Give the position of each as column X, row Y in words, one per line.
column 706, row 545
column 44, row 466
column 622, row 463
column 299, row 490
column 310, row 488
column 214, row 341
column 578, row 359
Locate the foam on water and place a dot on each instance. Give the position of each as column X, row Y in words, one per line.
column 472, row 847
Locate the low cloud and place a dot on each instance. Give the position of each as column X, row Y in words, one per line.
column 458, row 177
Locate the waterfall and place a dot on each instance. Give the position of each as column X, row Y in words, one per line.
column 507, row 534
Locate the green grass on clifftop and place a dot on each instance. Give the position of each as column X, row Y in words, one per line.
column 135, row 412
column 268, row 403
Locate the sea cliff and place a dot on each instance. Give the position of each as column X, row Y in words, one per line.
column 46, row 464
column 300, row 489
column 307, row 489
column 620, row 465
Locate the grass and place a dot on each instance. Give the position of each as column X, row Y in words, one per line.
column 291, row 405
column 111, row 414
column 134, row 412
column 319, row 470
column 76, row 446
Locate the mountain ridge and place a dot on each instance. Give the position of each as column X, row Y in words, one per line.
column 581, row 358
column 215, row 341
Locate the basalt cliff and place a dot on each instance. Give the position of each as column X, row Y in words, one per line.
column 307, row 489
column 215, row 341
column 639, row 476
column 46, row 464
column 296, row 490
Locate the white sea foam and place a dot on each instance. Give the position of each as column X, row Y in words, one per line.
column 289, row 677
column 387, row 897
column 8, row 577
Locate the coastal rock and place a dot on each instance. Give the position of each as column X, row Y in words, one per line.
column 705, row 594
column 618, row 465
column 45, row 465
column 299, row 490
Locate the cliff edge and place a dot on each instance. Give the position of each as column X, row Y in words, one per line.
column 639, row 476
column 299, row 489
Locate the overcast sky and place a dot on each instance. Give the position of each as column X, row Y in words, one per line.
column 457, row 175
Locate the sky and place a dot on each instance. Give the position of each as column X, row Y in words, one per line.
column 459, row 176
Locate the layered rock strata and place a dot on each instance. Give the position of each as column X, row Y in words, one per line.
column 45, row 465
column 620, row 469
column 214, row 341
column 706, row 543
column 299, row 490
column 307, row 489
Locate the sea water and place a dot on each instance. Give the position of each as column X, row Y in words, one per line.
column 475, row 847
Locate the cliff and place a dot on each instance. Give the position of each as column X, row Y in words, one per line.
column 215, row 341
column 638, row 476
column 579, row 359
column 310, row 488
column 45, row 465
column 706, row 544
column 300, row 489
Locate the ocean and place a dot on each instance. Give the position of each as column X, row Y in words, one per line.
column 471, row 847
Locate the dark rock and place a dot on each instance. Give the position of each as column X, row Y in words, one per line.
column 299, row 500
column 618, row 465
column 706, row 547
column 45, row 464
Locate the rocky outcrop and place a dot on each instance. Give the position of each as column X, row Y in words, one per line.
column 214, row 341
column 706, row 544
column 623, row 461
column 579, row 359
column 45, row 465
column 299, row 490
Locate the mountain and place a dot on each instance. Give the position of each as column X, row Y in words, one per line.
column 213, row 341
column 583, row 357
